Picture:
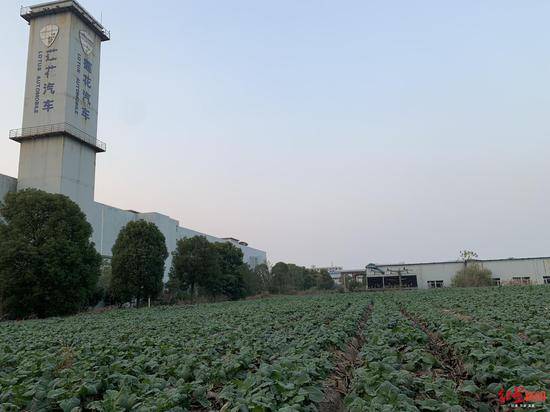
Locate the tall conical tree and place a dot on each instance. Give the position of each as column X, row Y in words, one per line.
column 138, row 260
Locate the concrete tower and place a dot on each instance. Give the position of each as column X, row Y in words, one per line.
column 59, row 133
column 58, row 136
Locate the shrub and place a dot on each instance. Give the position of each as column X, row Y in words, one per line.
column 137, row 266
column 48, row 265
column 472, row 275
column 355, row 286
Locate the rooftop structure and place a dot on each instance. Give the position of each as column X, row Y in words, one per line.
column 61, row 6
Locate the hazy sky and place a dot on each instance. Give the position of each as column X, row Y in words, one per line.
column 342, row 132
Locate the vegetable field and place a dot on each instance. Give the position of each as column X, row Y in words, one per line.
column 444, row 350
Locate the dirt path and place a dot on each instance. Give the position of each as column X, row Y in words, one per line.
column 338, row 383
column 449, row 359
column 443, row 352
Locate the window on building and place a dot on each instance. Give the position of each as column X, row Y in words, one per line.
column 546, row 280
column 496, row 281
column 435, row 284
column 521, row 280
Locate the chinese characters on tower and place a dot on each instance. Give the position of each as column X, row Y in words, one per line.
column 61, row 88
column 45, row 87
column 48, row 92
column 44, row 96
column 83, row 87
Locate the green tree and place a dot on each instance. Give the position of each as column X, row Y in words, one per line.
column 103, row 289
column 264, row 275
column 467, row 255
column 472, row 275
column 138, row 260
column 48, row 265
column 324, row 280
column 195, row 262
column 252, row 280
column 231, row 282
column 310, row 279
column 297, row 277
column 281, row 281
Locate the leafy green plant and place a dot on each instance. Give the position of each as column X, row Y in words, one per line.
column 265, row 354
column 399, row 371
column 276, row 354
column 503, row 343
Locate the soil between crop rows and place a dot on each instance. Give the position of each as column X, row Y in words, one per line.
column 338, row 383
column 442, row 351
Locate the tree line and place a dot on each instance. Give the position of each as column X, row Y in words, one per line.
column 200, row 269
column 49, row 266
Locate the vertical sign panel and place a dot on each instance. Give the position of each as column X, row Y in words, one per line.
column 46, row 84
column 62, row 81
column 83, row 91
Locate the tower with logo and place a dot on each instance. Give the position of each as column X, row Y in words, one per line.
column 59, row 132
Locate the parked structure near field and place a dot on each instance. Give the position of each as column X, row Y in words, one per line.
column 58, row 137
column 510, row 271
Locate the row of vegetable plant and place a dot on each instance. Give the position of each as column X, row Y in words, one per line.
column 494, row 354
column 520, row 310
column 259, row 355
column 276, row 354
column 399, row 372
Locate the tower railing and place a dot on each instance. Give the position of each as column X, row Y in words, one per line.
column 30, row 12
column 57, row 129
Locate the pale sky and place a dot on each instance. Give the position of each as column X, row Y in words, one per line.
column 324, row 132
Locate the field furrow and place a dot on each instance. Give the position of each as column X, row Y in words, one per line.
column 403, row 369
column 496, row 359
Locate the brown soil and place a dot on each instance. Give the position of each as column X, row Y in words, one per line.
column 338, row 383
column 443, row 352
column 451, row 362
column 457, row 315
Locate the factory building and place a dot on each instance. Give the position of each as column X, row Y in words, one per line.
column 511, row 271
column 58, row 137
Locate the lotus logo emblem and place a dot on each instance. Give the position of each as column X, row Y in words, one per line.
column 86, row 41
column 48, row 34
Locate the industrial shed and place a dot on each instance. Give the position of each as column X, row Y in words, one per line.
column 524, row 271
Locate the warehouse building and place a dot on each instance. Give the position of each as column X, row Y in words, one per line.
column 511, row 271
column 58, row 137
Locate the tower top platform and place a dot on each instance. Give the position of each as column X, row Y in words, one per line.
column 61, row 6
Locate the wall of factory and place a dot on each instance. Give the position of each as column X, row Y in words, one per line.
column 107, row 222
column 7, row 184
column 504, row 270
